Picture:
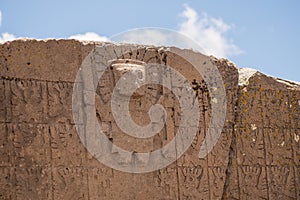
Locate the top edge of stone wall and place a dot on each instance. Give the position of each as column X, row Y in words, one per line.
column 251, row 78
column 48, row 60
column 58, row 60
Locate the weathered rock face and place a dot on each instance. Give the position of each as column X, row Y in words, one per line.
column 42, row 157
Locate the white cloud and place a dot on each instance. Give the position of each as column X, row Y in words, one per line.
column 142, row 36
column 208, row 32
column 6, row 37
column 205, row 34
column 89, row 36
column 156, row 37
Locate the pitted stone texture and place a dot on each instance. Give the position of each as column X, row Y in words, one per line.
column 266, row 148
column 42, row 157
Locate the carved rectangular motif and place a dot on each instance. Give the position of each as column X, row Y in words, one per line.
column 7, row 190
column 5, row 101
column 193, row 182
column 278, row 147
column 60, row 102
column 253, row 182
column 29, row 101
column 6, row 146
column 31, row 144
column 66, row 146
column 33, row 183
column 250, row 146
column 281, row 182
column 70, row 183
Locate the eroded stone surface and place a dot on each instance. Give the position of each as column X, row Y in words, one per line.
column 42, row 157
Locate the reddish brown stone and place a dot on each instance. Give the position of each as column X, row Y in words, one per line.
column 42, row 157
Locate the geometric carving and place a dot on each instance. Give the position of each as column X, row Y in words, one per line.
column 217, row 176
column 66, row 147
column 278, row 147
column 250, row 146
column 31, row 145
column 70, row 183
column 193, row 182
column 99, row 183
column 297, row 181
column 166, row 178
column 281, row 182
column 33, row 183
column 6, row 147
column 249, row 108
column 29, row 101
column 253, row 182
column 294, row 114
column 295, row 137
column 7, row 180
column 233, row 189
column 60, row 102
column 5, row 101
column 220, row 152
column 274, row 102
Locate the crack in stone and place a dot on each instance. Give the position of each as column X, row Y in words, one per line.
column 232, row 147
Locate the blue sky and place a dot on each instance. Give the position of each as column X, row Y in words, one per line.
column 259, row 34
